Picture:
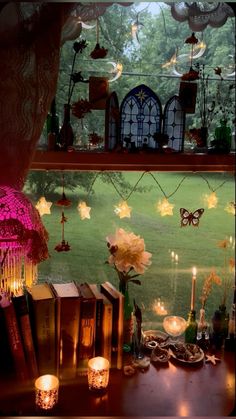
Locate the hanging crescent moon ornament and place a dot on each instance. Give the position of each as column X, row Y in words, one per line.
column 86, row 26
column 117, row 70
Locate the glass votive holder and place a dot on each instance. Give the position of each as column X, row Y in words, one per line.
column 46, row 391
column 174, row 325
column 98, row 373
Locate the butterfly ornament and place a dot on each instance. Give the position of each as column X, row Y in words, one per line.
column 188, row 218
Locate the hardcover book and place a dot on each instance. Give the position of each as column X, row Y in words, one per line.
column 43, row 320
column 14, row 339
column 68, row 321
column 22, row 314
column 87, row 327
column 103, row 331
column 117, row 300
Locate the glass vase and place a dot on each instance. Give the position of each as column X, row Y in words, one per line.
column 202, row 331
column 66, row 134
column 128, row 317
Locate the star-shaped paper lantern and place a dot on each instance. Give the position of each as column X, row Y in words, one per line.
column 164, row 207
column 84, row 211
column 123, row 210
column 230, row 208
column 212, row 359
column 211, row 200
column 43, row 206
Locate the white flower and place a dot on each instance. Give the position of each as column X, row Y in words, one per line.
column 128, row 252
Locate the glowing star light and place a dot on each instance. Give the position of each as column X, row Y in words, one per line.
column 164, row 207
column 230, row 208
column 123, row 210
column 84, row 211
column 211, row 200
column 43, row 206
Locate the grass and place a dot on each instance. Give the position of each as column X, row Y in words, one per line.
column 163, row 279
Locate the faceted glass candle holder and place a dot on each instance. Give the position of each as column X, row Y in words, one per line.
column 98, row 373
column 46, row 391
column 174, row 325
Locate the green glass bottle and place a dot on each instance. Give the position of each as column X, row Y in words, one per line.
column 223, row 137
column 66, row 135
column 191, row 329
column 52, row 125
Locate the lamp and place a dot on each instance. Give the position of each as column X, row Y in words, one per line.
column 23, row 239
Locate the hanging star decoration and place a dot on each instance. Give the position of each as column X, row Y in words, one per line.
column 123, row 210
column 83, row 210
column 43, row 206
column 211, row 200
column 164, row 207
column 230, row 207
column 212, row 359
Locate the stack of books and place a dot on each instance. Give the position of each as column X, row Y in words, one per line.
column 55, row 328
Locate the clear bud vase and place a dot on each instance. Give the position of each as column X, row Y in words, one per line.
column 202, row 331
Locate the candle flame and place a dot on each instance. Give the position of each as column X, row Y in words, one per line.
column 194, row 271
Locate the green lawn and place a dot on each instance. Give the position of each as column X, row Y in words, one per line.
column 165, row 280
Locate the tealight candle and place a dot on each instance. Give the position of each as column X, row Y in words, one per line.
column 46, row 391
column 174, row 325
column 98, row 373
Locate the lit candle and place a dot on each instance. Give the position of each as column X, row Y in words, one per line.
column 172, row 256
column 46, row 391
column 176, row 258
column 194, row 275
column 98, row 373
column 174, row 325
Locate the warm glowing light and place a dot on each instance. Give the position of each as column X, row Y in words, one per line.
column 230, row 208
column 194, row 271
column 172, row 61
column 211, row 200
column 176, row 258
column 117, row 70
column 46, row 391
column 174, row 325
column 173, row 255
column 98, row 373
column 43, row 206
column 159, row 308
column 83, row 210
column 123, row 210
column 164, row 207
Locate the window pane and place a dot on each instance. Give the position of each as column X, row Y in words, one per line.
column 165, row 278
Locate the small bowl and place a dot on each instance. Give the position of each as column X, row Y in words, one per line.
column 153, row 338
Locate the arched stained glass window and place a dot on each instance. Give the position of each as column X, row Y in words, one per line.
column 111, row 122
column 141, row 115
column 174, row 123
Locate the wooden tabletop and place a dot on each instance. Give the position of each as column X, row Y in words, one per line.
column 173, row 390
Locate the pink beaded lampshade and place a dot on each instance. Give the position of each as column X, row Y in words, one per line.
column 23, row 239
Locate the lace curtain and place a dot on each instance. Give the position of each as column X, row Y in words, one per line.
column 30, row 38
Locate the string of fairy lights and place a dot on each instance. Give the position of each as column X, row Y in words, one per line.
column 123, row 210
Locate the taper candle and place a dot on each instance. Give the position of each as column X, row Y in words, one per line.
column 194, row 275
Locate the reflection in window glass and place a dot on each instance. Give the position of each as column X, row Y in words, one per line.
column 167, row 281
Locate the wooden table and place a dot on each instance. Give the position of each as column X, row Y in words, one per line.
column 174, row 390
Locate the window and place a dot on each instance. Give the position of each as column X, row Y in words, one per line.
column 165, row 279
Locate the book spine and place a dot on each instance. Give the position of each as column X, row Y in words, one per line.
column 44, row 332
column 15, row 342
column 98, row 327
column 22, row 313
column 69, row 335
column 117, row 326
column 107, row 331
column 87, row 334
